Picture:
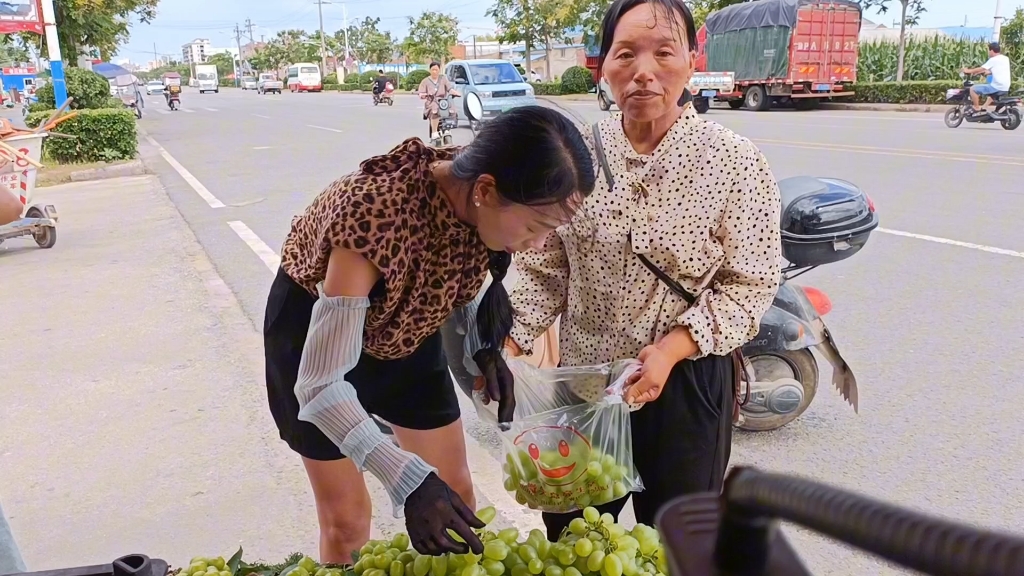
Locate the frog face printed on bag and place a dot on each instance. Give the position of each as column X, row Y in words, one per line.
column 558, row 454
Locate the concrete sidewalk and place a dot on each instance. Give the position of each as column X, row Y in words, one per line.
column 131, row 392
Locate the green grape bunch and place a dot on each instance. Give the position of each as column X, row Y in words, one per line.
column 592, row 545
column 569, row 477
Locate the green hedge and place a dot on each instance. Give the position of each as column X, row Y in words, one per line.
column 547, row 88
column 102, row 135
column 352, row 87
column 86, row 88
column 330, row 86
column 932, row 92
column 413, row 78
column 577, row 80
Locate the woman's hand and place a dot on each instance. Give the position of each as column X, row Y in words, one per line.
column 647, row 383
column 456, row 93
column 499, row 384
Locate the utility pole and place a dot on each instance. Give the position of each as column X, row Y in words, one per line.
column 323, row 39
column 238, row 67
column 998, row 24
column 156, row 58
column 249, row 26
column 474, row 46
column 60, row 87
column 344, row 66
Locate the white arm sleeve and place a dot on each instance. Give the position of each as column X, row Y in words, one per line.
column 466, row 326
column 333, row 346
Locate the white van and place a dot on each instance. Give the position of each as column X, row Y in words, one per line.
column 304, row 77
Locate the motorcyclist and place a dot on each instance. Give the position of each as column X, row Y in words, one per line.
column 998, row 69
column 380, row 84
column 432, row 89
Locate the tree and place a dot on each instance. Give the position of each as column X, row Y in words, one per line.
column 101, row 24
column 270, row 57
column 701, row 9
column 225, row 64
column 367, row 42
column 517, row 22
column 431, row 36
column 911, row 11
column 12, row 50
column 1011, row 39
column 553, row 19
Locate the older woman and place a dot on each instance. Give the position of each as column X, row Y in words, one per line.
column 682, row 258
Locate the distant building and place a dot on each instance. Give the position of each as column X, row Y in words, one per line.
column 196, row 51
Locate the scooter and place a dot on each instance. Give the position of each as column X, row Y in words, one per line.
column 387, row 97
column 174, row 101
column 447, row 121
column 1006, row 111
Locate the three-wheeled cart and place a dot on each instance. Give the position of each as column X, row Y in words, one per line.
column 19, row 160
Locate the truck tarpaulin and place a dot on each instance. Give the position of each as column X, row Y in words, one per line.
column 752, row 39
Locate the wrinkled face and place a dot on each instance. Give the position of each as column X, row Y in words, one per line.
column 649, row 64
column 514, row 227
column 435, row 71
column 559, row 454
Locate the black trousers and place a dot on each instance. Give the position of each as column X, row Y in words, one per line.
column 681, row 441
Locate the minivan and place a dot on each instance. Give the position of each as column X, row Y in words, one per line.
column 497, row 82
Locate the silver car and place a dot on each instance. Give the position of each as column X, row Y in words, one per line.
column 154, row 87
column 248, row 83
column 498, row 84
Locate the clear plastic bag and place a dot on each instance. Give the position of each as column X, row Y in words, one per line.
column 570, row 444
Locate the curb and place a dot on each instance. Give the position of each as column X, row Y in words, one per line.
column 909, row 108
column 133, row 168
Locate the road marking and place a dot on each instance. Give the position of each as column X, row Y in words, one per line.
column 186, row 175
column 261, row 116
column 930, row 154
column 211, row 109
column 262, row 147
column 323, row 128
column 947, row 241
column 162, row 111
column 266, row 253
column 187, row 110
column 488, row 479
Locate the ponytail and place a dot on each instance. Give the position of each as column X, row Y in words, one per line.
column 494, row 316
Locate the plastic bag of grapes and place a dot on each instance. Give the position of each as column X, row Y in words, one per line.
column 569, row 445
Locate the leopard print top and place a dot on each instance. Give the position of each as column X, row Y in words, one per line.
column 391, row 212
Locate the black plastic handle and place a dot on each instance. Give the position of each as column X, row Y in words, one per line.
column 132, row 565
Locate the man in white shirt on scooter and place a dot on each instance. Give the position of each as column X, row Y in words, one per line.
column 998, row 69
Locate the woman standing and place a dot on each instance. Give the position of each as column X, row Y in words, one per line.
column 433, row 89
column 368, row 274
column 677, row 196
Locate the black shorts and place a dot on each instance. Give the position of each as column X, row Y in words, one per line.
column 414, row 392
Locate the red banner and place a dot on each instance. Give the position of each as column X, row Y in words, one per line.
column 21, row 16
column 24, row 71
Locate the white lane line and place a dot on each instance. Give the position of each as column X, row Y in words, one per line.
column 266, row 253
column 261, row 116
column 162, row 111
column 211, row 109
column 186, row 175
column 262, row 147
column 323, row 128
column 947, row 241
column 188, row 110
column 487, row 477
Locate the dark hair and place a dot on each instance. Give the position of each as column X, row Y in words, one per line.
column 994, row 46
column 434, row 64
column 537, row 157
column 674, row 8
column 380, row 71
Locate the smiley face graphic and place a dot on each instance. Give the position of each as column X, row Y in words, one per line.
column 559, row 454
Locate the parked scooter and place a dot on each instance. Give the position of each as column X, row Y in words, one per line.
column 1006, row 112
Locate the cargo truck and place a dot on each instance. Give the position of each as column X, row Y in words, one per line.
column 782, row 50
column 206, row 78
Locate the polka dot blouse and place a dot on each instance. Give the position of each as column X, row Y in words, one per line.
column 703, row 207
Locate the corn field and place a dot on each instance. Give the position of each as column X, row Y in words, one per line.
column 935, row 58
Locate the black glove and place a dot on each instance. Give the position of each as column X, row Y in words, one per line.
column 430, row 510
column 500, row 385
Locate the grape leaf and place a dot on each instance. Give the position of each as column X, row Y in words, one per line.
column 235, row 560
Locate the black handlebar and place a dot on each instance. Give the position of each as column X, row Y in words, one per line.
column 745, row 540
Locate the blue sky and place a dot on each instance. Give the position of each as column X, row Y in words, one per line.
column 180, row 21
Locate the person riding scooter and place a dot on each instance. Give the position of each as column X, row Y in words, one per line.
column 379, row 85
column 998, row 69
column 172, row 95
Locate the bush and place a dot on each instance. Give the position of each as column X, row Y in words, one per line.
column 365, row 78
column 413, row 79
column 331, row 86
column 102, row 135
column 39, row 107
column 331, row 78
column 577, row 80
column 112, row 102
column 546, row 88
column 351, row 87
column 88, row 89
column 903, row 92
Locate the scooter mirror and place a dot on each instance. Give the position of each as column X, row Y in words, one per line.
column 474, row 108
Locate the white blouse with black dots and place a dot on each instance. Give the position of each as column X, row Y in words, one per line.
column 703, row 207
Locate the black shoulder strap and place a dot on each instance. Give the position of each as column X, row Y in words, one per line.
column 672, row 284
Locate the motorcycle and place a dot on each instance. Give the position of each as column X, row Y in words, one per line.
column 173, row 98
column 1006, row 112
column 387, row 97
column 448, row 120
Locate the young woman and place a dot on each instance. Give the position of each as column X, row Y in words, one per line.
column 368, row 275
column 701, row 205
column 432, row 89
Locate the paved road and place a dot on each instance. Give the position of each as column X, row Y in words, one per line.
column 926, row 314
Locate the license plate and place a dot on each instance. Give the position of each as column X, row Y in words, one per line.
column 822, row 87
column 708, row 93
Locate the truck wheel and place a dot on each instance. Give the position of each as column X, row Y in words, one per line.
column 757, row 99
column 701, row 105
column 804, row 104
column 602, row 101
column 735, row 104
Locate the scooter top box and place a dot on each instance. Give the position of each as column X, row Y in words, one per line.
column 824, row 220
column 131, row 565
